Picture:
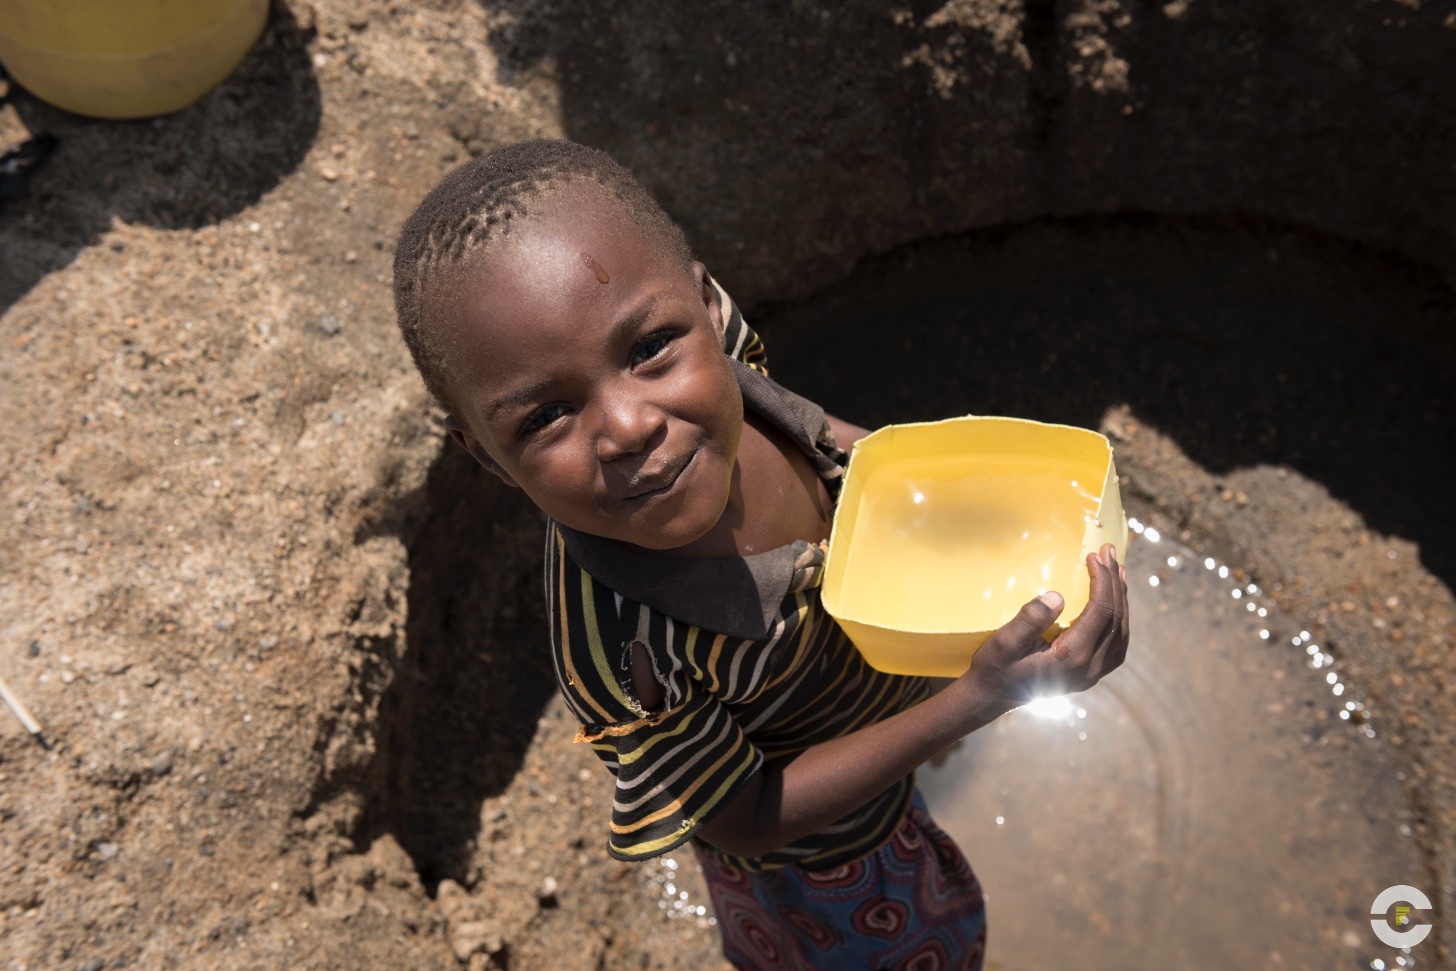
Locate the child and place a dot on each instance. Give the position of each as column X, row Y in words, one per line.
column 584, row 357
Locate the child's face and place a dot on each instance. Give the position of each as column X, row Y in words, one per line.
column 588, row 369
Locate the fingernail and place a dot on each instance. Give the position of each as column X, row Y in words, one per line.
column 1052, row 599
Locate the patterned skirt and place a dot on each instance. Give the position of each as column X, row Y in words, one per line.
column 913, row 905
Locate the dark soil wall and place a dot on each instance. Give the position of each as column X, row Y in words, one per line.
column 794, row 138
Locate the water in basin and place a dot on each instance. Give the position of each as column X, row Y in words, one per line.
column 976, row 550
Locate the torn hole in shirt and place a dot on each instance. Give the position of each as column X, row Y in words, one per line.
column 645, row 686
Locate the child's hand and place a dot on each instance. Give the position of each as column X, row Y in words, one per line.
column 1016, row 665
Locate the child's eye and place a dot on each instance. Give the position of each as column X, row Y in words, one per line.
column 651, row 346
column 540, row 418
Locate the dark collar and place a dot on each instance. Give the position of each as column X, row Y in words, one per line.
column 735, row 595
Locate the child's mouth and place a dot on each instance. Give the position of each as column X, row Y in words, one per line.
column 651, row 487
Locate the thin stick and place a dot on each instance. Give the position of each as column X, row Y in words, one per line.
column 17, row 706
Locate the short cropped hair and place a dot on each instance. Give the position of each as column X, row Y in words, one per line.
column 478, row 203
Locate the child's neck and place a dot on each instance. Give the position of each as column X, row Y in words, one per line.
column 776, row 498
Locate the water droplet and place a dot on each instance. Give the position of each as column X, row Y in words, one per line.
column 1332, row 677
column 1210, row 563
column 1152, row 534
column 1153, row 581
column 596, row 268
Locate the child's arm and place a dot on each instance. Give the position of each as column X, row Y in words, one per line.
column 822, row 784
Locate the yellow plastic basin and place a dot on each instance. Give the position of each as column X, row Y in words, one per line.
column 125, row 58
column 945, row 529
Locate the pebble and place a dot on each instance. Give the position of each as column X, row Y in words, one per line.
column 94, row 964
column 328, row 173
column 330, row 325
column 546, row 896
column 475, row 937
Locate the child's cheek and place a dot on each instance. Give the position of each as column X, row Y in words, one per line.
column 562, row 481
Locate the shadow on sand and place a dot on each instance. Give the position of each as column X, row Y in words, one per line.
column 182, row 171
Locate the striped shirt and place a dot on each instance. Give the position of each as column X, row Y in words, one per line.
column 751, row 667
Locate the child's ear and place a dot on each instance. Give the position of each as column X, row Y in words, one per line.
column 710, row 297
column 466, row 439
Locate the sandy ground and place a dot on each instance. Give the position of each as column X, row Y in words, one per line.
column 287, row 650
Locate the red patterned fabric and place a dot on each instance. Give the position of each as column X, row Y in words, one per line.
column 913, row 905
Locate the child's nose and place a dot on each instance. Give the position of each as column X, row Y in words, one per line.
column 628, row 426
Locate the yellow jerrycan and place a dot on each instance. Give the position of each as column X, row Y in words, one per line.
column 125, row 58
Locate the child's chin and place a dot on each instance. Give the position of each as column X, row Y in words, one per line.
column 679, row 527
column 671, row 537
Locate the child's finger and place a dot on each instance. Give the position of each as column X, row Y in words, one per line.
column 1115, row 649
column 1080, row 642
column 1105, row 588
column 1126, row 631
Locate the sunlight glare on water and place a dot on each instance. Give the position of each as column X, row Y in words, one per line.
column 1055, row 707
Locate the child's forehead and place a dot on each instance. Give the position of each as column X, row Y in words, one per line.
column 579, row 211
column 574, row 245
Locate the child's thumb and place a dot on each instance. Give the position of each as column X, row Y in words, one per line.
column 1025, row 629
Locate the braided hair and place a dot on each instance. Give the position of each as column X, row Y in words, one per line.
column 480, row 202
